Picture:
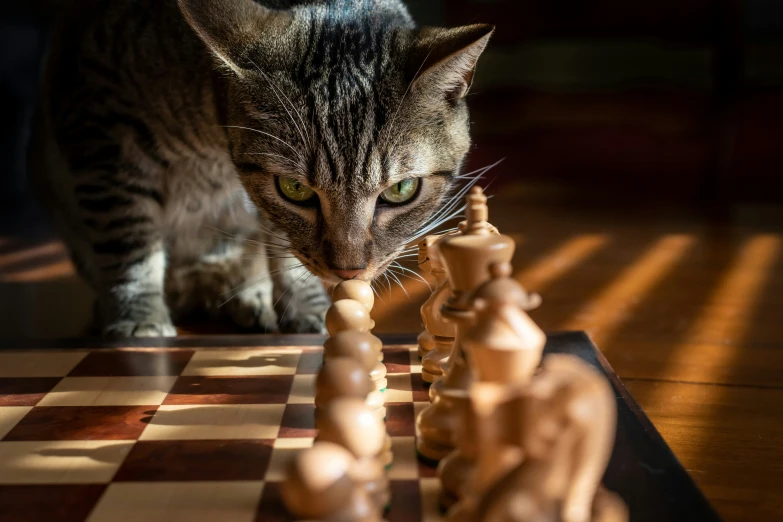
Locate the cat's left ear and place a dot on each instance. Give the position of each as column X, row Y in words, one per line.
column 234, row 29
column 444, row 60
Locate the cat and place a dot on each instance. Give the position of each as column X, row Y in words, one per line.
column 242, row 157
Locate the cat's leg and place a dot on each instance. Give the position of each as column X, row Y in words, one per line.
column 233, row 279
column 120, row 229
column 300, row 298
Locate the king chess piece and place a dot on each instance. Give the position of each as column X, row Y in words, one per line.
column 466, row 258
column 440, row 330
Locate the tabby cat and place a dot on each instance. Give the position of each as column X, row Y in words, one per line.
column 233, row 155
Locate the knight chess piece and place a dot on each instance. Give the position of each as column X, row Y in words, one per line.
column 441, row 330
column 319, row 486
column 466, row 258
column 352, row 425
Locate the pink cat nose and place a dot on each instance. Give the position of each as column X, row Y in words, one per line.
column 348, row 274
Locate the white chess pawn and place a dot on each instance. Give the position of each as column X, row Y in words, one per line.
column 319, row 486
column 351, row 424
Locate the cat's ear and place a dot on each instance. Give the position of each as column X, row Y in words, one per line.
column 233, row 29
column 444, row 60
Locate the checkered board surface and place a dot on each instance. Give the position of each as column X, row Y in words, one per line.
column 179, row 434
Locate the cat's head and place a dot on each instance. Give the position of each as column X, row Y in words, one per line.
column 347, row 123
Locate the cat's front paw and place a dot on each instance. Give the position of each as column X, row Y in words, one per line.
column 304, row 324
column 252, row 312
column 125, row 329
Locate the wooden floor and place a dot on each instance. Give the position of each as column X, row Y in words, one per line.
column 686, row 304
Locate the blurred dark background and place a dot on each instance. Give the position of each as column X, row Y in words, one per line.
column 678, row 99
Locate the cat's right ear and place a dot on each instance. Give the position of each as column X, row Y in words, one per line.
column 443, row 61
column 236, row 29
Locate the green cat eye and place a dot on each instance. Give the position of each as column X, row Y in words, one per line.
column 401, row 192
column 295, row 190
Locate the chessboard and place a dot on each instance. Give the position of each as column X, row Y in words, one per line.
column 202, row 429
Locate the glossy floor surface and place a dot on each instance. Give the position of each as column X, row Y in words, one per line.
column 685, row 303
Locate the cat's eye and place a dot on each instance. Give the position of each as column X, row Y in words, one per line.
column 401, row 192
column 294, row 190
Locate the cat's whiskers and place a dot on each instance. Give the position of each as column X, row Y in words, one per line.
column 248, row 285
column 397, row 280
column 286, row 291
column 447, row 212
column 298, row 153
column 417, row 278
column 255, row 242
column 295, row 163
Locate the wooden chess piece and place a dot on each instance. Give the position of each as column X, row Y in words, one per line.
column 560, row 476
column 503, row 344
column 351, row 424
column 466, row 258
column 426, row 341
column 347, row 314
column 363, row 347
column 319, row 486
column 341, row 377
column 355, row 290
column 441, row 330
column 493, row 446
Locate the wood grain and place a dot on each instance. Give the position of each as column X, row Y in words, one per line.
column 729, row 438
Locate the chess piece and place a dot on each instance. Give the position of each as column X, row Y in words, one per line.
column 441, row 330
column 319, row 486
column 347, row 314
column 559, row 478
column 341, row 377
column 493, row 446
column 425, row 339
column 352, row 425
column 363, row 347
column 503, row 344
column 355, row 290
column 425, row 342
column 466, row 258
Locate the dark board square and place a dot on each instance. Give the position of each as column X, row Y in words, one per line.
column 397, row 359
column 419, row 388
column 310, row 362
column 298, row 421
column 406, row 501
column 82, row 423
column 400, row 419
column 265, row 389
column 132, row 363
column 25, row 391
column 48, row 503
column 271, row 507
column 205, row 460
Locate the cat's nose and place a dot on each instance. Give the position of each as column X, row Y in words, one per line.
column 348, row 274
